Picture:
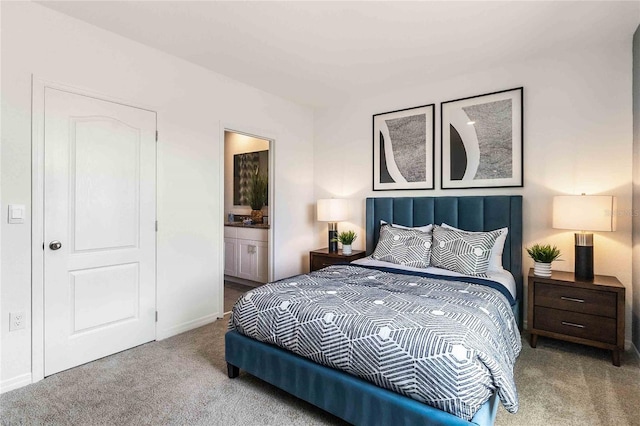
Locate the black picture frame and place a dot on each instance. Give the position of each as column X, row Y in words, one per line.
column 482, row 141
column 399, row 139
column 245, row 164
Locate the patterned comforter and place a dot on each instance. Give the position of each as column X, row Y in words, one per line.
column 448, row 344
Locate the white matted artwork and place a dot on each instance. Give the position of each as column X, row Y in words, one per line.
column 403, row 149
column 482, row 140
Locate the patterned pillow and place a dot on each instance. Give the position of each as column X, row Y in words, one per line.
column 495, row 260
column 462, row 252
column 423, row 228
column 404, row 247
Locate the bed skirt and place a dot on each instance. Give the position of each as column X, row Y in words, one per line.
column 341, row 394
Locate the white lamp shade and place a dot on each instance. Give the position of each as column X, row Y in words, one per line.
column 333, row 210
column 584, row 212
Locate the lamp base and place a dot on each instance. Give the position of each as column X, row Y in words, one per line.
column 333, row 237
column 584, row 256
column 584, row 263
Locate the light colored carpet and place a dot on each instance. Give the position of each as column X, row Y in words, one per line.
column 566, row 384
column 182, row 380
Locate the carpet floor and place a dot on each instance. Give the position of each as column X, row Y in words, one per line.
column 232, row 292
column 182, row 380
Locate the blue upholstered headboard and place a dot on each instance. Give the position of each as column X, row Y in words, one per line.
column 478, row 213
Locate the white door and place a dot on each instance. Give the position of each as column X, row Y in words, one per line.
column 230, row 267
column 253, row 260
column 246, row 259
column 99, row 204
column 262, row 261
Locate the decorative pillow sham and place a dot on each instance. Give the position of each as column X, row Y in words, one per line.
column 495, row 260
column 407, row 247
column 462, row 252
column 424, row 228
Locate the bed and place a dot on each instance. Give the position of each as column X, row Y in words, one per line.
column 360, row 401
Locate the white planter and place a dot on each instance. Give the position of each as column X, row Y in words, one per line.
column 542, row 269
column 346, row 249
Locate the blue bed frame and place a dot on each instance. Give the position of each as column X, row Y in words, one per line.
column 353, row 399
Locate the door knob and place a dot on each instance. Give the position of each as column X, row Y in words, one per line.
column 55, row 245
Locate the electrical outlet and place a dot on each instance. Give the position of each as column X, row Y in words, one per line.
column 16, row 321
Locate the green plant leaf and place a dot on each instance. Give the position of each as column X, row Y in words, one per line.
column 258, row 185
column 544, row 253
column 347, row 237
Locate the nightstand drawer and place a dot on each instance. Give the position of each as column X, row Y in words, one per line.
column 575, row 324
column 322, row 262
column 601, row 303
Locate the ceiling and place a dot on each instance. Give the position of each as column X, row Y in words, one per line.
column 321, row 53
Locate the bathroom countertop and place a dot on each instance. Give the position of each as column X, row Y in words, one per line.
column 240, row 225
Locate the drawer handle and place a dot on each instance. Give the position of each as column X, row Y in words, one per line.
column 571, row 299
column 571, row 324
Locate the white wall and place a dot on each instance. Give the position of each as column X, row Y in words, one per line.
column 577, row 137
column 636, row 189
column 191, row 103
column 235, row 143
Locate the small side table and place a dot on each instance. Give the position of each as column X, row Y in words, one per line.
column 587, row 312
column 321, row 258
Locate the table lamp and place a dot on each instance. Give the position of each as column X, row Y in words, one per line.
column 332, row 210
column 584, row 213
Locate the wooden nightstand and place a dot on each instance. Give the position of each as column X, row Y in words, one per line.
column 321, row 258
column 586, row 312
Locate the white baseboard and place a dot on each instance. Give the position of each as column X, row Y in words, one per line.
column 26, row 379
column 15, row 382
column 186, row 326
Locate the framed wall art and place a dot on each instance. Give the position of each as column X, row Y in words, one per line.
column 482, row 141
column 244, row 166
column 403, row 143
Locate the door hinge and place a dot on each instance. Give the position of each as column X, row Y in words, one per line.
column 156, row 316
column 156, row 226
column 156, row 136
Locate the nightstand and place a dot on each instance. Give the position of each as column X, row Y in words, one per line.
column 587, row 312
column 321, row 258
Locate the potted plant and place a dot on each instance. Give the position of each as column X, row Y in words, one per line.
column 346, row 238
column 257, row 195
column 542, row 256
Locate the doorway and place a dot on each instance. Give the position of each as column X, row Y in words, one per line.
column 248, row 219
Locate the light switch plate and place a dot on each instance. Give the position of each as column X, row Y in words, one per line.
column 16, row 213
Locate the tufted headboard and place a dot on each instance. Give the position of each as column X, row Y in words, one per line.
column 476, row 213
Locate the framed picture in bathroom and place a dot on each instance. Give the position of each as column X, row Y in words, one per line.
column 244, row 165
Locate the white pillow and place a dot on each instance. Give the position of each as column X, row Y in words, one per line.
column 495, row 259
column 425, row 228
